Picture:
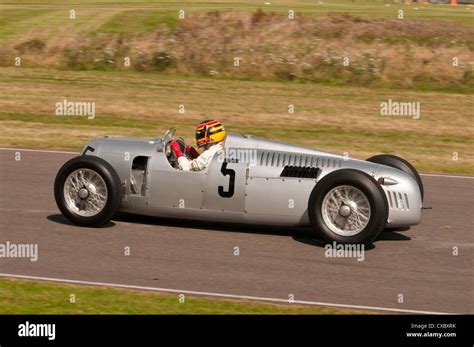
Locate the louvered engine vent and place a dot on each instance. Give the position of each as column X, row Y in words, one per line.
column 270, row 158
column 300, row 171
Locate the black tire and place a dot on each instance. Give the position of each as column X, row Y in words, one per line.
column 400, row 164
column 365, row 184
column 108, row 175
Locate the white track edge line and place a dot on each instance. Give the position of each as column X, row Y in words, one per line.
column 230, row 296
column 448, row 176
column 35, row 150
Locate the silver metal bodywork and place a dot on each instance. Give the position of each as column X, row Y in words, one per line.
column 151, row 186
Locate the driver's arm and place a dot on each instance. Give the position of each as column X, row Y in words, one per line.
column 192, row 152
column 184, row 163
column 200, row 163
column 190, row 165
column 197, row 164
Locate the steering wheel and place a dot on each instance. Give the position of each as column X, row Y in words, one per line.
column 170, row 154
column 169, row 135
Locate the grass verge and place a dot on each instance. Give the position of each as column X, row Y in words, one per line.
column 30, row 297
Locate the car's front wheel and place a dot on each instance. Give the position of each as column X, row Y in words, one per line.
column 87, row 191
column 348, row 206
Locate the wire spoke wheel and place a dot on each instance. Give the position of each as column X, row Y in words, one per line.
column 85, row 192
column 346, row 210
column 88, row 191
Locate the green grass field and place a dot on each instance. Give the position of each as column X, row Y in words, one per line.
column 29, row 297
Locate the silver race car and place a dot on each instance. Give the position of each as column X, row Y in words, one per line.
column 252, row 180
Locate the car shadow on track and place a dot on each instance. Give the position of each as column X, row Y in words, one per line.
column 204, row 225
column 310, row 239
column 59, row 218
column 299, row 234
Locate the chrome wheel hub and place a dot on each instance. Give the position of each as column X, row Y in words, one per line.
column 85, row 192
column 345, row 210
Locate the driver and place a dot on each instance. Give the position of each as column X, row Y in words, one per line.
column 210, row 134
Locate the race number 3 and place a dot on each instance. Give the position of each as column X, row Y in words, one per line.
column 230, row 192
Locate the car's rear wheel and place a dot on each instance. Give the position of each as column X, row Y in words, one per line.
column 87, row 191
column 348, row 206
column 400, row 164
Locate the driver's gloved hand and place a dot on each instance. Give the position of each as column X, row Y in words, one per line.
column 174, row 145
column 192, row 152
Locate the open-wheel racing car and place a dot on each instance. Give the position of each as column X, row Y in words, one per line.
column 252, row 180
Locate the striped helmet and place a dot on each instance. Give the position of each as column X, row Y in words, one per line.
column 208, row 132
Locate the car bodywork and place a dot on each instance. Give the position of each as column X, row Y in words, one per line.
column 253, row 180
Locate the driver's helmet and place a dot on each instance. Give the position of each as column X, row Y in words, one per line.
column 209, row 132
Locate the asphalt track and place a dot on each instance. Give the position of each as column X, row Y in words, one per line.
column 193, row 257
